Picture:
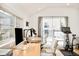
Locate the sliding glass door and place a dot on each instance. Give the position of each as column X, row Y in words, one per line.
column 51, row 29
column 47, row 29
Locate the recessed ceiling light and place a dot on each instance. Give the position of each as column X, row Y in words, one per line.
column 67, row 4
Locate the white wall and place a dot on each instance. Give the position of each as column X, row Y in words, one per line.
column 27, row 19
column 72, row 13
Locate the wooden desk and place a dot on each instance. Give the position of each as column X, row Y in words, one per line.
column 31, row 49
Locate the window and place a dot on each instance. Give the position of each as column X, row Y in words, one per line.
column 59, row 22
column 51, row 28
column 6, row 26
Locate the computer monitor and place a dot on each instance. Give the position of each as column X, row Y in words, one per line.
column 66, row 29
column 18, row 35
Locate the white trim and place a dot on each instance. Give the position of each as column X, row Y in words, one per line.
column 6, row 42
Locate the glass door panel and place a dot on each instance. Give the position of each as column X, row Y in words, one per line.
column 47, row 29
column 51, row 28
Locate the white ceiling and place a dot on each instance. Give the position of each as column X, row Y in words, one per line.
column 28, row 9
